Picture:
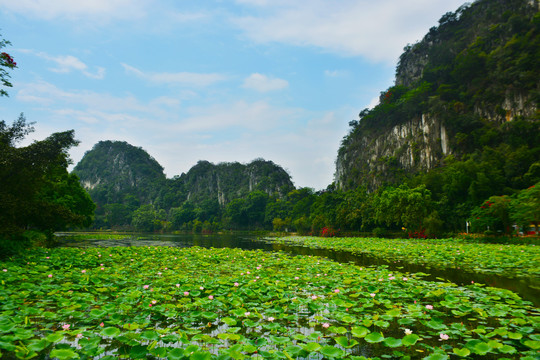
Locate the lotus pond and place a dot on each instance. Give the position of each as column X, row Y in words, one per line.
column 198, row 303
column 502, row 259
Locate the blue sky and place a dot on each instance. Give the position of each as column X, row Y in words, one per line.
column 208, row 80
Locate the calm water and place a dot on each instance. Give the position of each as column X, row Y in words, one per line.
column 527, row 288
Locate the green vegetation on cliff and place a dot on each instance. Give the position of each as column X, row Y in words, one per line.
column 462, row 120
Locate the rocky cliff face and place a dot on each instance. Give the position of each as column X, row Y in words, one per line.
column 415, row 145
column 474, row 72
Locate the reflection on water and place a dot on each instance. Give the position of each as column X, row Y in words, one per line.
column 528, row 288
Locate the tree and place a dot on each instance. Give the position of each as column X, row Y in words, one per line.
column 403, row 206
column 6, row 61
column 145, row 218
column 36, row 191
column 494, row 213
column 525, row 207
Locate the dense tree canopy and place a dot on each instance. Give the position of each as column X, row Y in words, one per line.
column 36, row 191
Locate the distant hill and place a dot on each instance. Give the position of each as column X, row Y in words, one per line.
column 112, row 170
column 470, row 86
column 121, row 178
column 229, row 181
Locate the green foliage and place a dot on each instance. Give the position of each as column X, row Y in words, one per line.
column 525, row 207
column 36, row 191
column 493, row 215
column 403, row 206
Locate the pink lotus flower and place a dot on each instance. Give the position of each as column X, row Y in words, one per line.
column 186, row 293
column 50, row 275
column 336, row 291
column 314, row 297
column 201, row 288
column 443, row 337
column 102, row 324
column 372, row 295
column 83, row 271
column 146, row 286
column 247, row 313
column 271, row 318
column 177, row 285
column 5, row 270
column 429, row 307
column 405, row 279
column 78, row 336
column 326, row 325
column 211, row 297
column 296, row 278
column 65, row 326
column 236, row 284
column 154, row 301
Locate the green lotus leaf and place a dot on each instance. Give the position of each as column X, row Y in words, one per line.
column 249, row 348
column 175, row 354
column 374, row 337
column 200, row 355
column 229, row 321
column 209, row 315
column 54, row 337
column 8, row 346
column 337, row 329
column 391, row 342
column 533, row 344
column 436, row 325
column 63, row 354
column 345, row 342
column 294, row 350
column 37, row 345
column 312, row 347
column 332, row 351
column 149, row 335
column 507, row 349
column 410, row 339
column 359, row 331
column 463, row 352
column 97, row 313
column 138, row 352
column 280, row 339
column 110, row 332
column 436, row 356
column 160, row 352
column 481, row 348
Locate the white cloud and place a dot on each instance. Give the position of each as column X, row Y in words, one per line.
column 263, row 83
column 377, row 30
column 181, row 78
column 67, row 64
column 78, row 10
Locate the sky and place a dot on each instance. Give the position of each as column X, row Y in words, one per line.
column 212, row 80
